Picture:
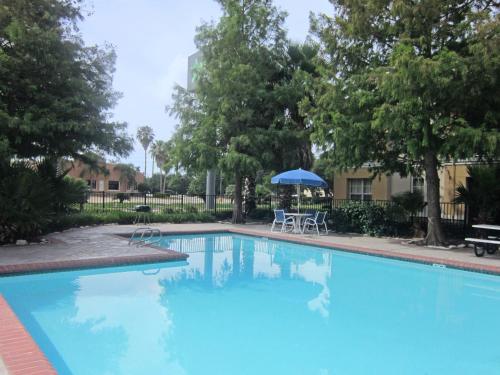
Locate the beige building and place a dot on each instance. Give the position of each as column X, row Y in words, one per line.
column 359, row 184
column 113, row 180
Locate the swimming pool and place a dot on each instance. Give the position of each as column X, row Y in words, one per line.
column 248, row 305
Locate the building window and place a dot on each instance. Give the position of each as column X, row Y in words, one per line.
column 417, row 184
column 113, row 185
column 360, row 189
column 92, row 184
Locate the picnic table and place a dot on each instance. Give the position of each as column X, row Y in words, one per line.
column 484, row 241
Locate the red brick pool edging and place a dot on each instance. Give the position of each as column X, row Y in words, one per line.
column 167, row 256
column 467, row 266
column 19, row 352
column 475, row 267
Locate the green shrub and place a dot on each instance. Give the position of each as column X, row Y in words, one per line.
column 190, row 208
column 229, row 190
column 26, row 201
column 366, row 218
column 411, row 202
column 62, row 222
column 32, row 195
column 67, row 191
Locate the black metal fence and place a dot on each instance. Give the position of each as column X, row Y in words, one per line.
column 158, row 202
column 451, row 213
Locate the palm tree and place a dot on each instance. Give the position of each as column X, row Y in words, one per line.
column 94, row 165
column 482, row 193
column 159, row 151
column 145, row 136
column 153, row 151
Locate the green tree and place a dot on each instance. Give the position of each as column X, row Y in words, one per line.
column 145, row 136
column 290, row 126
column 197, row 184
column 408, row 85
column 55, row 92
column 226, row 120
column 95, row 164
column 177, row 182
column 154, row 151
column 160, row 150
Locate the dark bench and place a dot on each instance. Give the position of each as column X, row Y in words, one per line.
column 490, row 245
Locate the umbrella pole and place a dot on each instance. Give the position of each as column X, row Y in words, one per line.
column 298, row 198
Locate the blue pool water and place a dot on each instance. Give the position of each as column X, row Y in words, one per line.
column 244, row 305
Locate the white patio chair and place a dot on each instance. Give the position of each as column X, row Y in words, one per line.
column 316, row 222
column 286, row 222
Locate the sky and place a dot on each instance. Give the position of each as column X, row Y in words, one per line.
column 152, row 40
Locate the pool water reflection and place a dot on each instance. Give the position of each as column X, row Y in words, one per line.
column 245, row 305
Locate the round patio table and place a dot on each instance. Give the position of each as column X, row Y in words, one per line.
column 297, row 220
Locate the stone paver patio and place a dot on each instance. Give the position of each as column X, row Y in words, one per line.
column 100, row 246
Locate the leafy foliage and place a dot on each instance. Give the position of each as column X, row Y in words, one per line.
column 483, row 195
column 55, row 92
column 410, row 201
column 26, row 199
column 407, row 85
column 244, row 108
column 120, row 217
column 145, row 136
column 32, row 195
column 372, row 219
column 128, row 174
column 197, row 184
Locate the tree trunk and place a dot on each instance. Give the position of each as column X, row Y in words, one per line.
column 249, row 195
column 164, row 184
column 435, row 235
column 237, row 204
column 145, row 158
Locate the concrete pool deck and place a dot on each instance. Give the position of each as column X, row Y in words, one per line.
column 100, row 246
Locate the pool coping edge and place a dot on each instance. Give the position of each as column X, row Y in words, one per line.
column 466, row 266
column 18, row 350
column 100, row 262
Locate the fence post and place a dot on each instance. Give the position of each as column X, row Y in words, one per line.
column 103, row 203
column 215, row 205
column 182, row 202
column 466, row 217
column 145, row 197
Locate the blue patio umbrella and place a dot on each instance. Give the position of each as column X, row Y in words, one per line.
column 299, row 177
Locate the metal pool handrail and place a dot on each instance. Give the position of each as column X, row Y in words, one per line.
column 147, row 233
